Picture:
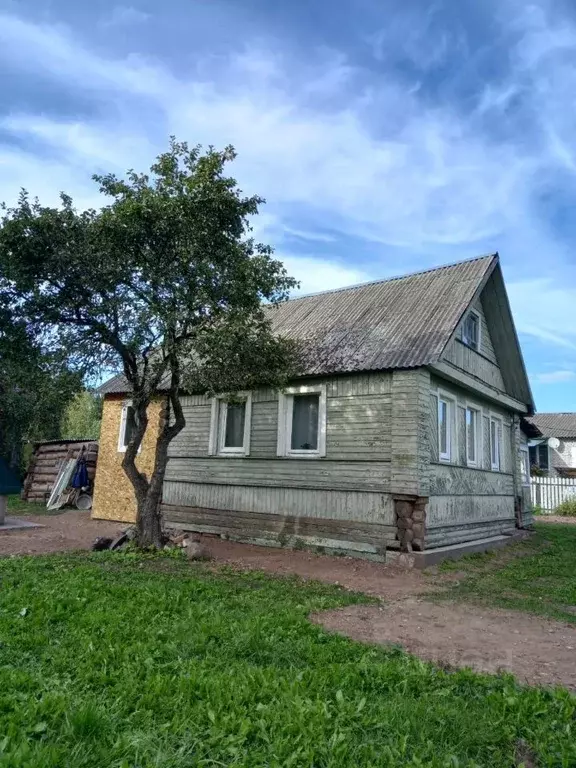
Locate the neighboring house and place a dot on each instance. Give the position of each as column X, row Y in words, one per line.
column 403, row 433
column 553, row 443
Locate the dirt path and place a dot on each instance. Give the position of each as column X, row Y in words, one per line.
column 537, row 651
column 59, row 533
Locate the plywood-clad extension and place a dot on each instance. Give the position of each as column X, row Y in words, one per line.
column 113, row 493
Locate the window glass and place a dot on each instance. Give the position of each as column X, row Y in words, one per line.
column 470, row 335
column 525, row 466
column 494, row 444
column 543, row 456
column 443, row 428
column 129, row 424
column 305, row 422
column 471, row 433
column 235, row 418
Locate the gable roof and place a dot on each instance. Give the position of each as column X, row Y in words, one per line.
column 401, row 322
column 555, row 424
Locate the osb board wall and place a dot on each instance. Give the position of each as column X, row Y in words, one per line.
column 113, row 492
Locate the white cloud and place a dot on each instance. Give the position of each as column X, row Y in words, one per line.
column 555, row 377
column 545, row 310
column 317, row 237
column 125, row 15
column 427, row 180
column 376, row 161
column 321, row 274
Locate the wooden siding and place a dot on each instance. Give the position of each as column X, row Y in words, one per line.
column 113, row 493
column 358, row 422
column 327, row 500
column 449, row 480
column 364, row 539
column 305, row 502
column 410, row 439
column 466, row 359
column 463, row 397
column 486, row 346
column 468, row 503
column 468, row 511
column 482, row 364
column 288, row 473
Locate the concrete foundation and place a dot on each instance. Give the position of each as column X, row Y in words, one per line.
column 452, row 552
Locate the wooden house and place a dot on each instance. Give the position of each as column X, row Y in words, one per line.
column 553, row 446
column 403, row 434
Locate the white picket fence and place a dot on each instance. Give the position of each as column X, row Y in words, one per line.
column 548, row 492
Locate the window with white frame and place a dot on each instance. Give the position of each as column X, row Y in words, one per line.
column 495, row 443
column 525, row 465
column 127, row 426
column 302, row 422
column 445, row 418
column 471, row 330
column 473, row 427
column 230, row 425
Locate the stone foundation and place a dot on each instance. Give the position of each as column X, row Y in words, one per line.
column 411, row 523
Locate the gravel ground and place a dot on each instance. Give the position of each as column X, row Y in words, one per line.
column 59, row 533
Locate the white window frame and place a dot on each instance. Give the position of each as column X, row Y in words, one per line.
column 285, row 410
column 450, row 400
column 525, row 457
column 478, row 326
column 496, row 419
column 121, row 433
column 478, row 445
column 218, row 417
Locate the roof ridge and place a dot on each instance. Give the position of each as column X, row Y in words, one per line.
column 451, row 265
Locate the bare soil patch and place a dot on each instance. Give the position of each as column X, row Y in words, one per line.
column 556, row 519
column 59, row 533
column 376, row 579
column 537, row 651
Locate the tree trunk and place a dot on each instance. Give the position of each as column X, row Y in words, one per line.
column 148, row 492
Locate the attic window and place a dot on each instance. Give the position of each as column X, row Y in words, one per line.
column 471, row 330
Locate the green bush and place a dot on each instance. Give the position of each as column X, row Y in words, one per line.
column 567, row 508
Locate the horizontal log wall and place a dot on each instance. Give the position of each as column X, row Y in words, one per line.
column 368, row 539
column 45, row 465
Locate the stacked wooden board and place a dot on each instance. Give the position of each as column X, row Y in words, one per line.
column 47, row 461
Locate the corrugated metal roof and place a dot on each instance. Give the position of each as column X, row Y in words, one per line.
column 555, row 424
column 402, row 322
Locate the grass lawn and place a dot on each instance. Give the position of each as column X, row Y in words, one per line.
column 18, row 507
column 132, row 661
column 537, row 576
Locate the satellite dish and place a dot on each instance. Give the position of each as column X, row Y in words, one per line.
column 554, row 443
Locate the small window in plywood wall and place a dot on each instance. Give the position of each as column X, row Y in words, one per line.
column 127, row 426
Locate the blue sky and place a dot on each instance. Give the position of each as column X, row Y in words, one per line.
column 386, row 136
